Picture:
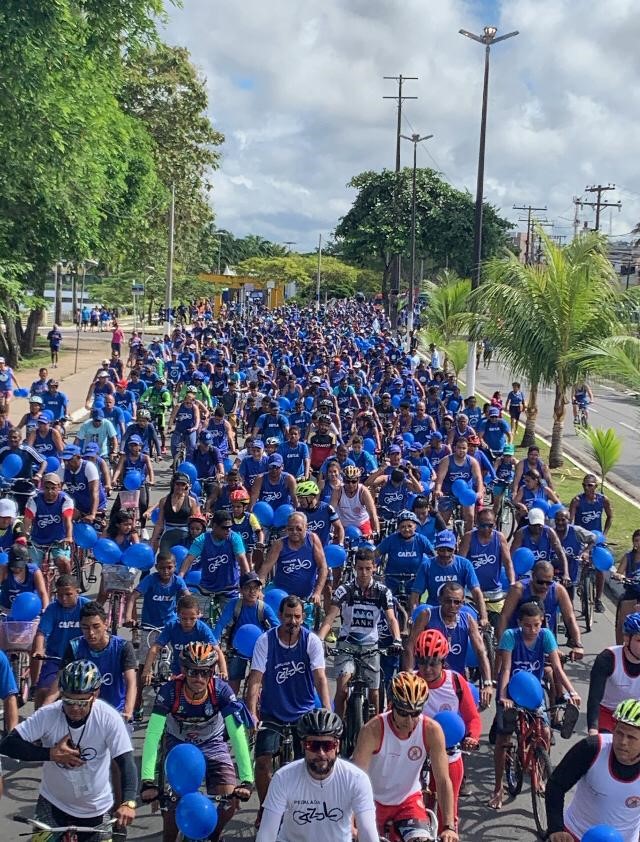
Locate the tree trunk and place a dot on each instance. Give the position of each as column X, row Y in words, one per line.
column 13, row 351
column 529, row 437
column 555, row 455
column 30, row 334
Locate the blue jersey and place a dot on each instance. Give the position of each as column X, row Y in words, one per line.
column 530, row 498
column 159, row 600
column 457, row 637
column 296, row 570
column 109, row 662
column 77, row 485
column 275, row 493
column 301, row 420
column 403, row 556
column 541, row 548
column 364, row 460
column 125, row 400
column 550, row 603
column 495, row 434
column 287, row 684
column 220, row 438
column 392, row 499
column 589, row 512
column 185, row 418
column 248, row 616
column 250, row 468
column 432, row 576
column 56, row 403
column 207, row 463
column 11, row 587
column 455, row 471
column 48, row 518
column 7, row 681
column 486, row 560
column 573, row 547
column 319, row 520
column 245, row 530
column 294, row 458
column 60, row 626
column 44, row 444
column 174, row 636
column 526, row 658
column 220, row 568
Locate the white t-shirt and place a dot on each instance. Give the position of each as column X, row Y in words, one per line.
column 313, row 809
column 315, row 651
column 84, row 790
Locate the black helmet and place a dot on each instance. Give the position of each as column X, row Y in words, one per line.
column 319, row 722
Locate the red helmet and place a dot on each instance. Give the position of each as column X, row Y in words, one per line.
column 432, row 644
column 240, row 495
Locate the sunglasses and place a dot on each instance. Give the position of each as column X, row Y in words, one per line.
column 351, row 482
column 316, row 746
column 414, row 714
column 224, row 526
column 485, row 525
column 76, row 703
column 428, row 662
column 197, row 673
column 544, row 583
column 452, row 601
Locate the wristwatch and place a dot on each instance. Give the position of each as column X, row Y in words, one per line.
column 449, row 827
column 130, row 804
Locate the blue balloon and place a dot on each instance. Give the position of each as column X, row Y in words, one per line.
column 555, row 508
column 133, row 480
column 25, row 607
column 458, row 486
column 353, row 533
column 453, row 727
column 196, row 816
column 98, row 402
column 335, row 555
column 284, row 404
column 602, row 558
column 523, row 560
column 53, row 463
column 264, row 513
column 189, row 469
column 308, row 403
column 425, row 473
column 467, row 497
column 193, row 577
column 539, row 503
column 601, row 538
column 180, row 553
column 475, row 693
column 155, row 514
column 369, row 445
column 11, row 466
column 4, row 559
column 408, row 437
column 273, row 597
column 244, row 640
column 107, row 551
column 525, row 690
column 21, row 393
column 85, row 535
column 602, row 833
column 140, row 556
column 242, row 375
column 395, row 401
column 185, row 767
column 282, row 514
column 196, row 488
column 227, row 464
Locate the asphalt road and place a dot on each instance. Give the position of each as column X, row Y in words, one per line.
column 611, row 407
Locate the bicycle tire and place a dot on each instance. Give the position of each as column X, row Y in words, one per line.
column 81, row 570
column 507, row 519
column 354, row 720
column 513, row 771
column 114, row 612
column 588, row 599
column 540, row 774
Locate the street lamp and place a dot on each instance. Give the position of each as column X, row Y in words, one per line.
column 84, row 265
column 415, row 139
column 487, row 38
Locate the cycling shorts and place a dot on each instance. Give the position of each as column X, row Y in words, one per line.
column 220, row 770
column 268, row 739
column 409, row 818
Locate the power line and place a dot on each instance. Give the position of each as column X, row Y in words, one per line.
column 528, row 252
column 599, row 189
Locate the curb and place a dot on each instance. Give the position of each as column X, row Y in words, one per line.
column 79, row 415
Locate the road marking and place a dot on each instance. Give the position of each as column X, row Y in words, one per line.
column 628, row 426
column 79, row 415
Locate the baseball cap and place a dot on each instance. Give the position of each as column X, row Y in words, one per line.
column 103, row 373
column 437, row 435
column 43, row 418
column 395, row 448
column 508, row 450
column 415, row 447
column 257, row 443
column 97, row 414
column 493, row 410
column 70, row 451
column 135, row 440
column 536, row 517
column 251, row 576
column 18, row 556
column 91, row 448
column 51, row 477
column 275, row 460
column 446, row 538
column 8, row 508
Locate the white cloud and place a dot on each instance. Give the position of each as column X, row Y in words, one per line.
column 297, row 89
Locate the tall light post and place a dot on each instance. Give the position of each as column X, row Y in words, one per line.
column 319, row 272
column 169, row 291
column 415, row 139
column 83, row 265
column 488, row 38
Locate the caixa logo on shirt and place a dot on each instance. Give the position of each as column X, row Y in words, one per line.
column 216, row 562
column 290, row 567
column 288, row 670
column 48, row 520
column 482, row 559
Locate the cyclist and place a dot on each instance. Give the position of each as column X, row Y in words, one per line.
column 33, row 466
column 360, row 603
column 18, row 576
column 296, row 455
column 299, row 561
column 448, row 690
column 541, row 540
column 587, row 510
column 405, row 732
column 207, row 458
column 48, row 522
column 615, row 676
column 581, row 397
column 196, row 707
column 75, row 740
column 628, row 568
column 604, row 769
column 526, row 648
column 274, row 486
column 457, row 466
column 174, row 512
column 292, row 808
column 354, row 503
column 56, row 402
column 531, row 492
column 221, row 431
column 160, row 401
column 100, row 430
column 186, row 416
column 575, row 541
column 404, row 551
column 322, row 518
column 532, row 462
column 254, row 465
column 134, row 460
column 44, row 438
column 287, row 664
column 504, row 468
column 82, row 482
column 10, row 525
column 146, row 431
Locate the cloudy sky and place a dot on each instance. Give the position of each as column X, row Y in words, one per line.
column 296, row 87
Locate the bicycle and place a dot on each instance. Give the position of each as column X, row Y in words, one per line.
column 48, row 566
column 71, row 833
column 16, row 641
column 581, row 419
column 506, row 516
column 161, row 670
column 213, row 606
column 285, row 753
column 359, row 709
column 181, row 452
column 118, row 582
column 586, row 590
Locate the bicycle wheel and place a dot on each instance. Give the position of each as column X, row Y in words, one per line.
column 507, row 519
column 354, row 721
column 540, row 774
column 513, row 771
column 588, row 600
column 82, row 568
column 114, row 612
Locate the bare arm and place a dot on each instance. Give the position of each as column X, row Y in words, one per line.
column 254, row 683
column 270, row 560
column 322, row 686
column 330, row 616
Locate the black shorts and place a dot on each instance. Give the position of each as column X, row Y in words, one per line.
column 514, row 412
column 629, row 595
column 268, row 739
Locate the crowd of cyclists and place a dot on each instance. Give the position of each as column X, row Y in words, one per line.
column 336, row 509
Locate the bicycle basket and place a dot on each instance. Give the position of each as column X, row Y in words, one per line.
column 129, row 499
column 117, row 577
column 18, row 635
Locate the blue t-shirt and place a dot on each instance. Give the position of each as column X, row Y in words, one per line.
column 60, row 626
column 248, row 616
column 159, row 603
column 174, row 636
column 403, row 556
column 432, row 576
column 7, row 681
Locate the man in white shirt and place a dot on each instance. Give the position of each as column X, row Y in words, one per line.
column 318, row 796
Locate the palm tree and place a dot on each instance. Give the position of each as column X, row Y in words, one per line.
column 605, row 446
column 448, row 307
column 540, row 317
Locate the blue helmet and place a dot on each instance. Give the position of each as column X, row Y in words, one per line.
column 631, row 623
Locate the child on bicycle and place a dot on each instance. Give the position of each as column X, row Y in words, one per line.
column 526, row 648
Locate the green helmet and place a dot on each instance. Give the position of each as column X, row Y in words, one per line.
column 628, row 712
column 308, row 488
column 80, row 677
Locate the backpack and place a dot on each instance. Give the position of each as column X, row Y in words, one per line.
column 237, row 608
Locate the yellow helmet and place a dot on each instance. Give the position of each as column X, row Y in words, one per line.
column 408, row 691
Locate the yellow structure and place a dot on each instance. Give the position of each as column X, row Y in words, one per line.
column 244, row 284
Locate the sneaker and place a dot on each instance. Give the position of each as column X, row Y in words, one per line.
column 599, row 606
column 331, row 637
column 138, row 714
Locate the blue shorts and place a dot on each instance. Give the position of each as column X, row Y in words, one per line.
column 48, row 673
column 237, row 667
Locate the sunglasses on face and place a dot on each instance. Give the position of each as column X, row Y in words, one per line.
column 414, row 714
column 485, row 525
column 76, row 703
column 197, row 673
column 351, row 482
column 544, row 583
column 428, row 662
column 316, row 746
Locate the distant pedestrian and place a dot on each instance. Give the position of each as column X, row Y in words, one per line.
column 117, row 338
column 85, row 316
column 54, row 338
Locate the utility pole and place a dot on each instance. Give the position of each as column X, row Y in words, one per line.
column 397, row 266
column 599, row 189
column 169, row 292
column 528, row 252
column 576, row 219
column 319, row 272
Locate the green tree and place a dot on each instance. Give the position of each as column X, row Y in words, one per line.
column 542, row 319
column 448, row 312
column 377, row 226
column 605, row 446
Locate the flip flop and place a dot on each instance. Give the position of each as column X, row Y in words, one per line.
column 571, row 714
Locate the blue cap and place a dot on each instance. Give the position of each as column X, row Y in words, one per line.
column 70, row 451
column 91, row 448
column 494, row 410
column 275, row 460
column 133, row 440
column 395, row 448
column 446, row 538
column 436, row 435
column 44, row 418
column 97, row 414
column 257, row 443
